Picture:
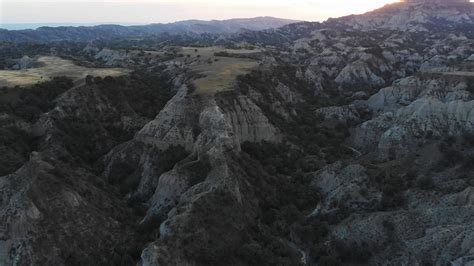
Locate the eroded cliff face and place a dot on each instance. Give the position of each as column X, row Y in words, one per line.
column 210, row 128
column 51, row 202
column 57, row 208
column 46, row 207
column 413, row 110
column 440, row 232
column 413, row 15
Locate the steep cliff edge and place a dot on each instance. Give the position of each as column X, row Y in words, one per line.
column 210, row 128
column 57, row 208
column 414, row 110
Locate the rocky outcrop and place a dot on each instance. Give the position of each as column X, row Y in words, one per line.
column 437, row 63
column 359, row 73
column 56, row 202
column 345, row 113
column 405, row 91
column 413, row 15
column 25, row 63
column 440, row 234
column 414, row 109
column 114, row 57
column 46, row 206
column 210, row 128
column 248, row 121
column 176, row 197
column 176, row 124
column 344, row 186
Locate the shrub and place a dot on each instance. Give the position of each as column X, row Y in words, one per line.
column 453, row 157
column 280, row 156
column 31, row 103
column 198, row 170
column 425, row 183
column 172, row 156
column 469, row 139
column 354, row 253
column 329, row 261
column 312, row 231
column 390, row 201
column 341, row 253
column 191, row 88
column 393, row 187
column 15, row 148
column 468, row 162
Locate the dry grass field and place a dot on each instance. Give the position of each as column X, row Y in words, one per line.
column 217, row 73
column 53, row 67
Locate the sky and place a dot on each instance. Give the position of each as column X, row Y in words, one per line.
column 164, row 11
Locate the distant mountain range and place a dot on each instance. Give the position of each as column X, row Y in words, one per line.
column 83, row 33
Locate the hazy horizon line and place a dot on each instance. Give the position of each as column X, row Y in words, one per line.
column 36, row 25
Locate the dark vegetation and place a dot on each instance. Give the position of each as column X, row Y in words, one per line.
column 79, row 137
column 15, row 148
column 86, row 134
column 143, row 94
column 278, row 174
column 145, row 91
column 18, row 106
column 220, row 220
column 340, row 253
column 125, row 175
column 285, row 200
column 199, row 170
column 393, row 187
column 280, row 37
column 457, row 152
column 229, row 234
column 306, row 128
column 30, row 103
column 470, row 85
column 10, row 51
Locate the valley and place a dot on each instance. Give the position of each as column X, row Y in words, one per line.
column 343, row 142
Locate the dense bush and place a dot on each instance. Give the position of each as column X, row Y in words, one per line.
column 457, row 151
column 305, row 129
column 425, row 182
column 89, row 138
column 146, row 92
column 470, row 85
column 171, row 156
column 341, row 253
column 198, row 170
column 15, row 148
column 125, row 174
column 393, row 186
column 276, row 158
column 30, row 103
column 285, row 197
column 468, row 162
column 312, row 230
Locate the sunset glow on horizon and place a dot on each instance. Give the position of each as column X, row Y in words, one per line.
column 163, row 11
